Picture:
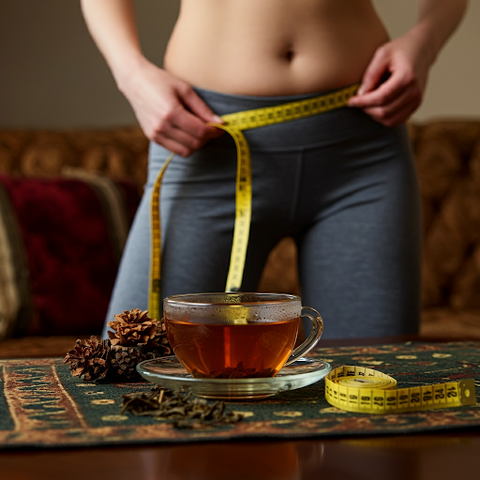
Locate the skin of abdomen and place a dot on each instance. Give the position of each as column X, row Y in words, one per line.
column 273, row 47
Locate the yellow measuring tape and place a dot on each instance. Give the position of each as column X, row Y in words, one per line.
column 364, row 390
column 234, row 124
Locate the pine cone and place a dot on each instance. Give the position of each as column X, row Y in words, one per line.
column 123, row 362
column 160, row 344
column 132, row 327
column 89, row 358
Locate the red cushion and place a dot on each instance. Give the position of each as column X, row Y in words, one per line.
column 71, row 233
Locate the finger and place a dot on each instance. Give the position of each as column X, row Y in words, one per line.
column 403, row 115
column 184, row 146
column 395, row 114
column 213, row 132
column 193, row 126
column 198, row 107
column 385, row 94
column 405, row 97
column 186, row 139
column 181, row 139
column 375, row 73
column 172, row 145
column 384, row 112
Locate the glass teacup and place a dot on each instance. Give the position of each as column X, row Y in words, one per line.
column 238, row 335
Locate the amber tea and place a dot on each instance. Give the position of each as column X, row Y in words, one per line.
column 232, row 351
column 237, row 335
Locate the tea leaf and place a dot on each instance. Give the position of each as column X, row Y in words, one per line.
column 187, row 411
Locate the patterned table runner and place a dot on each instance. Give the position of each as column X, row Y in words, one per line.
column 42, row 405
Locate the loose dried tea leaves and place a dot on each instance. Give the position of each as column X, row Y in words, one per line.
column 186, row 411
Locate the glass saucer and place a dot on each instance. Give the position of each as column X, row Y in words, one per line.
column 170, row 373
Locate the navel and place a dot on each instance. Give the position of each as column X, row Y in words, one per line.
column 289, row 55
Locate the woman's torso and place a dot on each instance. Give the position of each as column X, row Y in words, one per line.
column 273, row 47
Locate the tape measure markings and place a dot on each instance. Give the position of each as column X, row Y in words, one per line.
column 243, row 209
column 364, row 390
column 233, row 124
column 154, row 294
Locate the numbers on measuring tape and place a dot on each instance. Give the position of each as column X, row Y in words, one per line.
column 359, row 389
column 452, row 392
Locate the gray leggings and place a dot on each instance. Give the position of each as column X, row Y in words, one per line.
column 342, row 185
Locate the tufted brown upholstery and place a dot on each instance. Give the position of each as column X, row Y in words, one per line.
column 118, row 153
column 448, row 161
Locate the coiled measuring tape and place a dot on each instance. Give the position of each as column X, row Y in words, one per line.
column 364, row 390
column 234, row 124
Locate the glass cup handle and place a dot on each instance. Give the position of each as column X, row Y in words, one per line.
column 312, row 339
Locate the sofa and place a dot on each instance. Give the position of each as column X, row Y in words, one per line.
column 67, row 200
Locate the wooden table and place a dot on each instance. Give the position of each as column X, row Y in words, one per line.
column 408, row 457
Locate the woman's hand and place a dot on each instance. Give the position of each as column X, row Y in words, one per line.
column 394, row 82
column 168, row 110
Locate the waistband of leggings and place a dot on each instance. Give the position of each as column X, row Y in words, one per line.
column 327, row 130
column 222, row 103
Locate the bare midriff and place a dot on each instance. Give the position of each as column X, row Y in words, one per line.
column 273, row 47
